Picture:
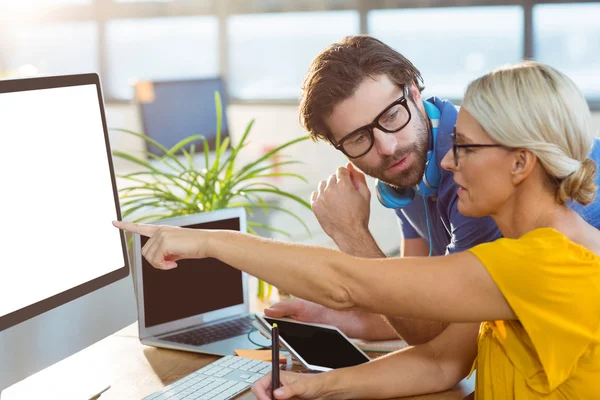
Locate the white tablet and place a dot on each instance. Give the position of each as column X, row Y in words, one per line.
column 317, row 347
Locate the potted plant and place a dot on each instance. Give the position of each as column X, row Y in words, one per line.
column 180, row 187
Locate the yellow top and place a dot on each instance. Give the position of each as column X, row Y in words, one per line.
column 553, row 350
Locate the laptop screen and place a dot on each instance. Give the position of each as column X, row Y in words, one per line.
column 194, row 287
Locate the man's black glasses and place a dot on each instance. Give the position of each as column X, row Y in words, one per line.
column 360, row 141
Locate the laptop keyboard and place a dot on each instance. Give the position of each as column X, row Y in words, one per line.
column 213, row 333
column 221, row 380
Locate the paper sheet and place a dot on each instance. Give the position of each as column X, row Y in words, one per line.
column 262, row 355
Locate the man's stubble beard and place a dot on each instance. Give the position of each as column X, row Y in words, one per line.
column 413, row 175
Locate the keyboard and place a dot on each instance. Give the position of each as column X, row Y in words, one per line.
column 213, row 333
column 220, row 380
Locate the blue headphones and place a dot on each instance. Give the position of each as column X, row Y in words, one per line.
column 398, row 198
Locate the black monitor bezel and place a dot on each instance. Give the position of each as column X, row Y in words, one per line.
column 43, row 306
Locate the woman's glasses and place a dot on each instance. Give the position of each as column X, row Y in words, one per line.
column 456, row 146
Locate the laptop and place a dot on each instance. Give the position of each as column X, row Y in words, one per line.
column 200, row 306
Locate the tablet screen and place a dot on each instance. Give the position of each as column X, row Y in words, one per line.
column 319, row 346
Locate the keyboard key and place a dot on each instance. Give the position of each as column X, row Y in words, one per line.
column 213, row 333
column 223, row 372
column 232, row 392
column 220, row 389
column 254, row 378
column 265, row 370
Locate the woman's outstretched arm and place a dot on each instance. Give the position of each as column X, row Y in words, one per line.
column 454, row 288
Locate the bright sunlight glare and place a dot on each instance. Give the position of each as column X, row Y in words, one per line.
column 30, row 5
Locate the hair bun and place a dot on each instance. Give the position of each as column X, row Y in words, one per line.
column 580, row 185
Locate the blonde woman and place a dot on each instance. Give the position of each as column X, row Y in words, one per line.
column 520, row 152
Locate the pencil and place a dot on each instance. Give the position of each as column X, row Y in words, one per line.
column 274, row 359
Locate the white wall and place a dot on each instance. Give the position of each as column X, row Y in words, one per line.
column 274, row 125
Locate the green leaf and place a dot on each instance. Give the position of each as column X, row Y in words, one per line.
column 269, row 154
column 133, row 196
column 163, row 193
column 219, row 112
column 138, row 206
column 258, row 202
column 217, row 168
column 251, row 204
column 189, row 156
column 153, row 142
column 206, row 152
column 144, row 137
column 281, row 193
column 155, row 173
column 153, row 186
column 138, row 200
column 148, row 166
column 236, row 150
column 165, row 197
column 250, row 174
column 269, row 185
column 150, row 218
column 184, row 142
column 280, row 174
column 260, row 292
column 133, row 159
column 162, row 159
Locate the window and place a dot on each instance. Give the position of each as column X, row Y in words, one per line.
column 567, row 36
column 268, row 45
column 49, row 49
column 160, row 49
column 452, row 46
column 29, row 4
column 269, row 54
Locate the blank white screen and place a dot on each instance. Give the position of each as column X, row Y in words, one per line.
column 57, row 201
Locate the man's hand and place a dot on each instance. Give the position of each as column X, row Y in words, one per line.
column 342, row 205
column 300, row 310
column 355, row 324
column 304, row 386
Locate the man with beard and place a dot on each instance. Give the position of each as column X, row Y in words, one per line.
column 365, row 99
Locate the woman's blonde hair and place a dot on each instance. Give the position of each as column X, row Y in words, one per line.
column 532, row 105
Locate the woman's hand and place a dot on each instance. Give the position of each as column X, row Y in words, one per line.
column 168, row 244
column 304, row 386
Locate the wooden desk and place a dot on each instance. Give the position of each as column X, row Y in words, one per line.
column 135, row 371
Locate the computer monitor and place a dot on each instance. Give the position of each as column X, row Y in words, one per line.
column 174, row 110
column 64, row 275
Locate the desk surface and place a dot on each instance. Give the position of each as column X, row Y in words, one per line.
column 135, row 370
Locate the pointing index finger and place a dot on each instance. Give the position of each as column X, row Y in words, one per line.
column 142, row 229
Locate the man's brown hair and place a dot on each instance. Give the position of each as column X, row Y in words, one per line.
column 336, row 73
